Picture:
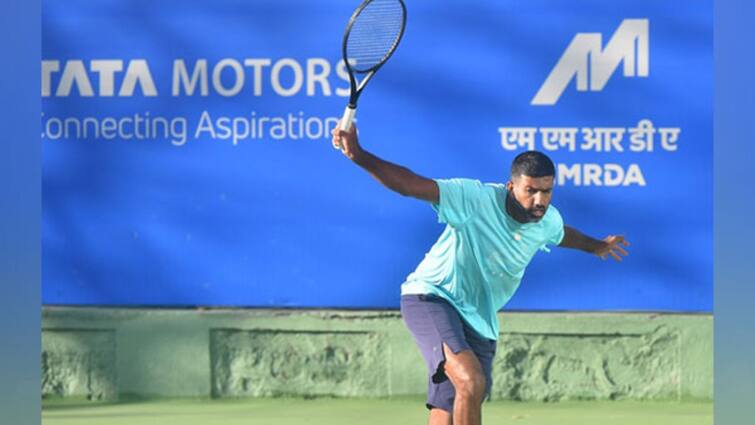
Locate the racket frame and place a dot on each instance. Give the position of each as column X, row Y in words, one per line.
column 356, row 88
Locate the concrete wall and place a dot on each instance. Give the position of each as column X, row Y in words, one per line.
column 101, row 353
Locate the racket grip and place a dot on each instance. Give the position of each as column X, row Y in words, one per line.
column 348, row 118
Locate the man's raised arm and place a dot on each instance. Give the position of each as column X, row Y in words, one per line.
column 395, row 177
column 610, row 245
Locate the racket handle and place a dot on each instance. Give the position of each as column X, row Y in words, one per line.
column 348, row 118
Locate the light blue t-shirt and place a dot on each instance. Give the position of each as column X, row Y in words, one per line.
column 480, row 258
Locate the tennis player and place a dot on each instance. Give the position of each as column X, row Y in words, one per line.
column 449, row 303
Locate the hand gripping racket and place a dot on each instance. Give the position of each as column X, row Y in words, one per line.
column 371, row 37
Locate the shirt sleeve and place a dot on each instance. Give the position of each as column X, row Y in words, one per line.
column 458, row 200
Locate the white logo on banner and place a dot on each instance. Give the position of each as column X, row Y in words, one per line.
column 286, row 77
column 227, row 77
column 585, row 57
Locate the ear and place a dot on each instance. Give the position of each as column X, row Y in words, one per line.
column 509, row 185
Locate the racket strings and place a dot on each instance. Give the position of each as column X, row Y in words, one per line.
column 374, row 34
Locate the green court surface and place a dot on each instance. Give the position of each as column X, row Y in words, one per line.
column 366, row 412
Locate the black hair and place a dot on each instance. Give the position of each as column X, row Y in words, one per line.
column 532, row 164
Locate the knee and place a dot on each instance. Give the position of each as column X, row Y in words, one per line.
column 469, row 384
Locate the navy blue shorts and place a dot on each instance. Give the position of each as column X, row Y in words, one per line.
column 433, row 321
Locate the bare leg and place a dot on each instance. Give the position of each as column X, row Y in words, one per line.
column 440, row 417
column 465, row 372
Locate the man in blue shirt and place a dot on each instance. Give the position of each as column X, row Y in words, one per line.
column 449, row 303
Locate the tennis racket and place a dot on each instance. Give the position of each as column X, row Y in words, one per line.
column 371, row 37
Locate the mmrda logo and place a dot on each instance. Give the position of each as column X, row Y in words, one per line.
column 584, row 57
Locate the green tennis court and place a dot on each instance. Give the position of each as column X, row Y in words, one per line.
column 367, row 412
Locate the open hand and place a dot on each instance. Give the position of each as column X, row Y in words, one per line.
column 612, row 245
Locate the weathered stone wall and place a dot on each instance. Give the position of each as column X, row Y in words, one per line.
column 273, row 362
column 79, row 363
column 101, row 353
column 552, row 367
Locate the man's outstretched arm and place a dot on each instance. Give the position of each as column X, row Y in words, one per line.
column 395, row 177
column 610, row 245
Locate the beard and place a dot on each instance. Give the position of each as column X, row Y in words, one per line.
column 521, row 214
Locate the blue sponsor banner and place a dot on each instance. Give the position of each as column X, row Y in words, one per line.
column 187, row 161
